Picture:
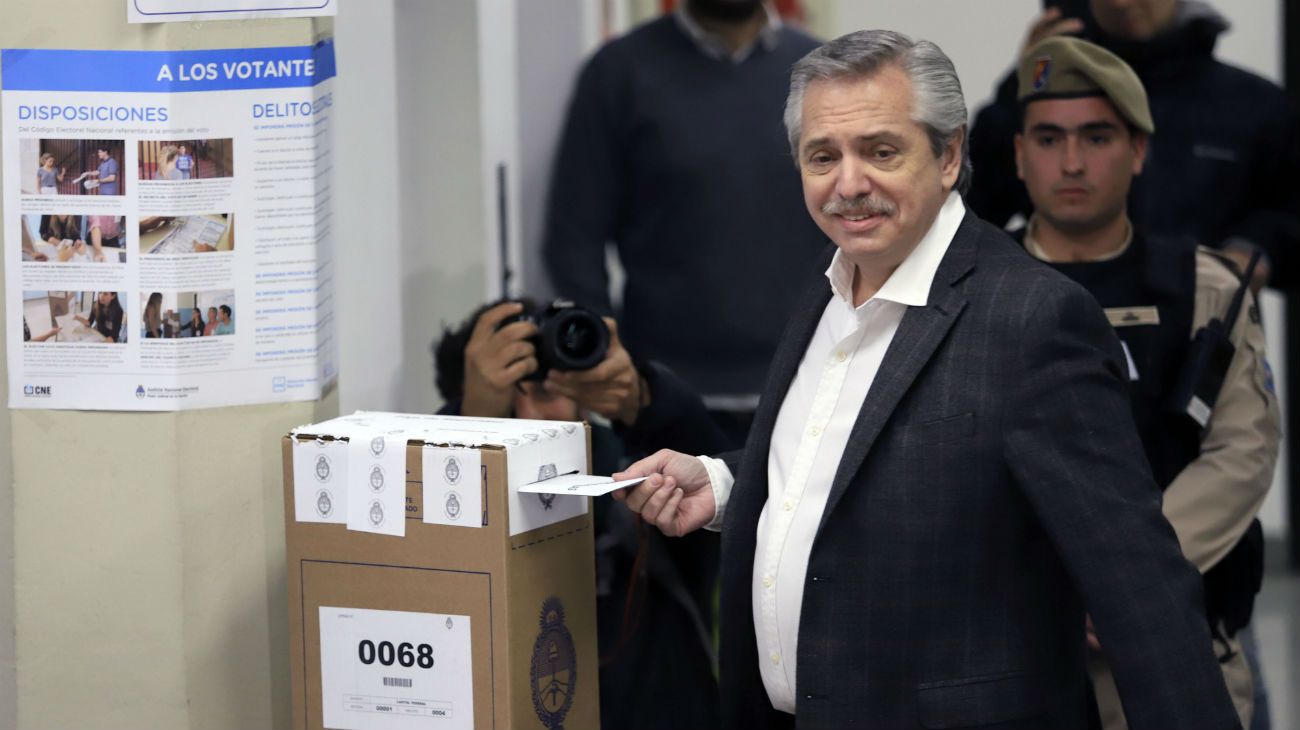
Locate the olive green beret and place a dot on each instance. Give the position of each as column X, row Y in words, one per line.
column 1065, row 67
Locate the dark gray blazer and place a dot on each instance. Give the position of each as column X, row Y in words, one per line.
column 993, row 487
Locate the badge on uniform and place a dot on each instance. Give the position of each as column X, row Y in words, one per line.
column 1132, row 316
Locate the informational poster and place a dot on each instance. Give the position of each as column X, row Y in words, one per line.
column 167, row 227
column 395, row 670
column 165, row 11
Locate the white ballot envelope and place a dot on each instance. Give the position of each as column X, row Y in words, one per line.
column 580, row 484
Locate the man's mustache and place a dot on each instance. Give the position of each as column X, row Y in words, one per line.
column 862, row 205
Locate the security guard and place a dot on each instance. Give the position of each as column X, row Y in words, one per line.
column 1085, row 130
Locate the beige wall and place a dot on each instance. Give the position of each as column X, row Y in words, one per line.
column 8, row 688
column 145, row 585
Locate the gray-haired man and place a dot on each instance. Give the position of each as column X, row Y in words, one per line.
column 943, row 471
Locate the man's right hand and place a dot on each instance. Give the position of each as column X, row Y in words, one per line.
column 676, row 497
column 1047, row 24
column 496, row 359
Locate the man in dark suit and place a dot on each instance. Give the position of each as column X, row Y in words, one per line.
column 943, row 472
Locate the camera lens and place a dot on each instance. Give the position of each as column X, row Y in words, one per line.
column 576, row 338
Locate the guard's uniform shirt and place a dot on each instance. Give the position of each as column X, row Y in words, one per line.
column 1147, row 294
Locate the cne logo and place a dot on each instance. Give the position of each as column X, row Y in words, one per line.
column 38, row 391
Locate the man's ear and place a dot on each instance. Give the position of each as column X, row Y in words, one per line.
column 951, row 163
column 1020, row 155
column 1139, row 142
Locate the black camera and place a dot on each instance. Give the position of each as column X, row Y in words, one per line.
column 568, row 337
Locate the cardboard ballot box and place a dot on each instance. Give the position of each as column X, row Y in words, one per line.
column 425, row 592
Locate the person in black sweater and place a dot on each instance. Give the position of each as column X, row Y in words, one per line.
column 654, row 596
column 674, row 150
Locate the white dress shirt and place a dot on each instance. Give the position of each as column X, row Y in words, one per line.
column 812, row 429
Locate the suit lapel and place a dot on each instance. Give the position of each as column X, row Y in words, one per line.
column 919, row 335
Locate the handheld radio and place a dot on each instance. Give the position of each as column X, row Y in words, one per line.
column 1208, row 358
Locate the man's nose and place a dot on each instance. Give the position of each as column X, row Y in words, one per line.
column 1072, row 156
column 853, row 179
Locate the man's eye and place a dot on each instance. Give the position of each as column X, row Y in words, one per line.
column 884, row 154
column 1046, row 140
column 1098, row 139
column 820, row 158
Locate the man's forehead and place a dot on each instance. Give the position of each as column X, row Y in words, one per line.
column 1072, row 112
column 870, row 104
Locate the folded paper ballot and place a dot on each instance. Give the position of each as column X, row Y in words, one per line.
column 581, row 484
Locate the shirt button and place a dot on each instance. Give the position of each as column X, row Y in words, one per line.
column 776, row 658
column 840, row 357
column 788, row 505
column 767, row 581
column 815, row 431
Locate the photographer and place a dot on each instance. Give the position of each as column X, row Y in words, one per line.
column 654, row 596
